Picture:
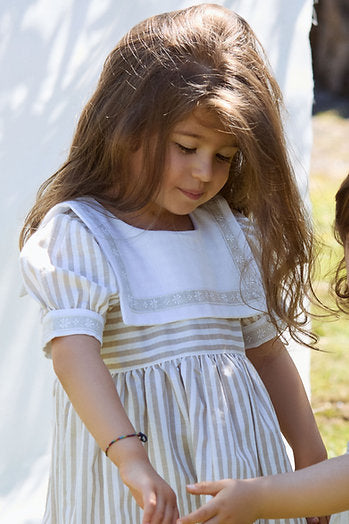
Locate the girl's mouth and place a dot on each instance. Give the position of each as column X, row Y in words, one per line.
column 193, row 195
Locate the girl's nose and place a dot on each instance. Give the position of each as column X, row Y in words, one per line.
column 202, row 169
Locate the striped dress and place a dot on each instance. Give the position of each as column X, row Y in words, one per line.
column 174, row 344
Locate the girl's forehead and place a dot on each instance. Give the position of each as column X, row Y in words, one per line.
column 204, row 117
column 202, row 121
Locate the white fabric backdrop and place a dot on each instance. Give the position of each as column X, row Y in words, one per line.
column 51, row 54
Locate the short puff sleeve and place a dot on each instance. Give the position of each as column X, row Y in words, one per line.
column 64, row 269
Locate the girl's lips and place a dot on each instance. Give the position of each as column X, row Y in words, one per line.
column 193, row 195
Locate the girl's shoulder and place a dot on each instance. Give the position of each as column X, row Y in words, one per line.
column 221, row 205
column 68, row 211
column 227, row 213
column 248, row 228
column 62, row 234
column 245, row 224
column 60, row 222
column 63, row 249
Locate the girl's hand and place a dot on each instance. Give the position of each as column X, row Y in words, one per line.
column 318, row 520
column 151, row 492
column 232, row 503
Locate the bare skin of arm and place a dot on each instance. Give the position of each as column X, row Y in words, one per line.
column 319, row 489
column 90, row 388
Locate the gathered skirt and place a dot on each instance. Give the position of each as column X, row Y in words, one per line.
column 207, row 415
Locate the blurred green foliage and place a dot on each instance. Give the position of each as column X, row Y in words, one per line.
column 330, row 366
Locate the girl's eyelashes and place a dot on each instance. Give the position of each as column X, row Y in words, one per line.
column 223, row 158
column 228, row 159
column 191, row 150
column 185, row 149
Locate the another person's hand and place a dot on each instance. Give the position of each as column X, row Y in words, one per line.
column 231, row 504
column 312, row 456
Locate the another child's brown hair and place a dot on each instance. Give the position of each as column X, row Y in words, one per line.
column 342, row 235
column 161, row 70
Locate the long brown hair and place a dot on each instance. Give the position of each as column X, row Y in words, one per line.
column 159, row 72
column 342, row 235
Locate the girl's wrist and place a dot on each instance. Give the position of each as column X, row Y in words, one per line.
column 125, row 451
column 141, row 436
column 257, row 496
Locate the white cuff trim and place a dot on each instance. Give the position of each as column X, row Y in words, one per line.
column 258, row 332
column 63, row 322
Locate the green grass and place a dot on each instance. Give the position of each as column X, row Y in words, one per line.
column 330, row 384
column 329, row 369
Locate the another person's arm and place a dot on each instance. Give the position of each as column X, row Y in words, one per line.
column 319, row 489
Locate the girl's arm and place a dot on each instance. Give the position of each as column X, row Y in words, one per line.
column 89, row 385
column 319, row 489
column 284, row 385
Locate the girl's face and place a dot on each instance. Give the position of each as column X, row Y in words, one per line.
column 197, row 165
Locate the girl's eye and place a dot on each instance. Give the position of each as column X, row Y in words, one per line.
column 184, row 149
column 223, row 158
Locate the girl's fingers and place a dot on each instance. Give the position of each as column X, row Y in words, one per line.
column 202, row 514
column 205, row 488
column 175, row 515
column 318, row 520
column 149, row 508
column 159, row 514
column 157, row 511
column 171, row 515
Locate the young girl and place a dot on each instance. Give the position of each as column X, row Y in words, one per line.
column 319, row 489
column 162, row 311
